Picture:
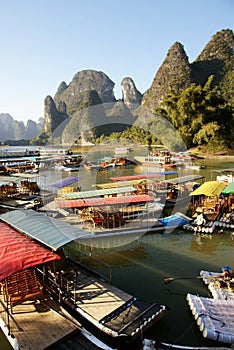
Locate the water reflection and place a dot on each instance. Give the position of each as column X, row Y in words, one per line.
column 209, row 244
column 139, row 267
column 127, row 256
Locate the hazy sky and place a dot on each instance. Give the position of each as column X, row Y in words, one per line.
column 45, row 42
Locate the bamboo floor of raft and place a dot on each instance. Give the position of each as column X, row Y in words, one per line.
column 38, row 324
column 215, row 316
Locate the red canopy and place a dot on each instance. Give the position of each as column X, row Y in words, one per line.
column 97, row 202
column 18, row 252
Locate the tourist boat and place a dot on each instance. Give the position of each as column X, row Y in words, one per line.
column 72, row 163
column 226, row 175
column 22, row 167
column 117, row 216
column 102, row 308
column 91, row 165
column 206, row 200
column 149, row 344
column 107, row 163
column 122, row 150
column 18, row 193
column 18, row 152
column 215, row 316
column 178, row 190
column 212, row 207
column 164, row 161
column 54, row 151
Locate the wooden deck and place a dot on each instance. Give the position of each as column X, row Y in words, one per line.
column 99, row 299
column 40, row 324
column 37, row 325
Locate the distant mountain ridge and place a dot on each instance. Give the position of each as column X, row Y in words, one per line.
column 11, row 129
column 89, row 87
column 176, row 73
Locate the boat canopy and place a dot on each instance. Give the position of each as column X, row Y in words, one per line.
column 134, row 177
column 166, row 172
column 53, row 233
column 100, row 202
column 119, row 184
column 26, row 175
column 143, row 176
column 18, row 252
column 229, row 189
column 183, row 179
column 63, row 182
column 5, row 180
column 210, row 189
column 97, row 193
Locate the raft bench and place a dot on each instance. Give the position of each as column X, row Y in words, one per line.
column 21, row 286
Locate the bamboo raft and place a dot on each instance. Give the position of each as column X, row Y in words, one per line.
column 215, row 316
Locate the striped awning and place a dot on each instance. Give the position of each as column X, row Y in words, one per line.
column 210, row 189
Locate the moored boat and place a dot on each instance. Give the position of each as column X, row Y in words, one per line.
column 226, row 175
column 178, row 190
column 215, row 316
column 206, row 200
column 164, row 161
column 149, row 344
column 91, row 165
column 18, row 152
column 91, row 299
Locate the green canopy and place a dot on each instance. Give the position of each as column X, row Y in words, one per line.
column 229, row 189
column 210, row 189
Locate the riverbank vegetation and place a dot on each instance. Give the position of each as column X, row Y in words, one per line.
column 201, row 116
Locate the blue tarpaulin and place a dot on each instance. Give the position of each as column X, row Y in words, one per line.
column 64, row 182
column 174, row 220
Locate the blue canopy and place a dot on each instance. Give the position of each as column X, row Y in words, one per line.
column 169, row 172
column 63, row 182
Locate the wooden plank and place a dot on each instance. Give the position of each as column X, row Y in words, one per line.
column 99, row 299
column 36, row 325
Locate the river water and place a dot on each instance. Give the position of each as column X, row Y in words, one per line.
column 140, row 267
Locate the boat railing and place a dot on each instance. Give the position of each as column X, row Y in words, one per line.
column 90, row 263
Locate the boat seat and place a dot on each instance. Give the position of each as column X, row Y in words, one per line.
column 22, row 286
column 62, row 267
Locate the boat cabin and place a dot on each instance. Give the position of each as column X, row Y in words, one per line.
column 206, row 200
column 67, row 279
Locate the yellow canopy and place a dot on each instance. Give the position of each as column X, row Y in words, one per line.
column 210, row 189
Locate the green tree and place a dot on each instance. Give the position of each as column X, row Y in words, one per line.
column 40, row 140
column 200, row 115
